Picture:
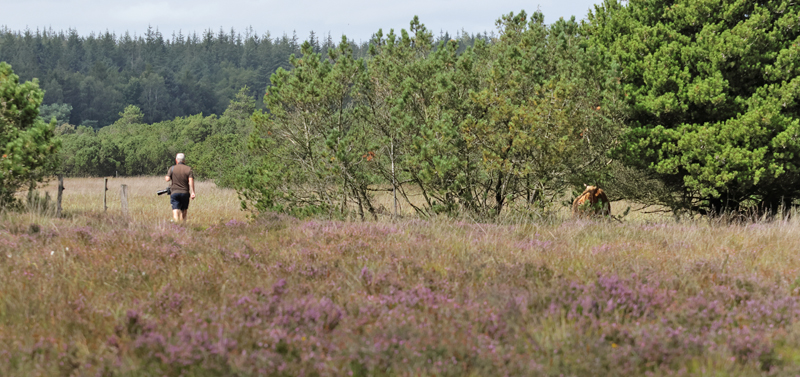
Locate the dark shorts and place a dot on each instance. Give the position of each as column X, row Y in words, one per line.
column 180, row 201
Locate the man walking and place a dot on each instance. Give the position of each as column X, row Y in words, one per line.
column 182, row 179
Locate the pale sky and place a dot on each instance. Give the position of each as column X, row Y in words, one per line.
column 358, row 19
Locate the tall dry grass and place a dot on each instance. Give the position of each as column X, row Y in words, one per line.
column 83, row 196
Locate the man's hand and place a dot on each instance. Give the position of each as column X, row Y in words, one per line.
column 191, row 187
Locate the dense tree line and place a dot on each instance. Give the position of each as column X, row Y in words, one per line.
column 98, row 75
column 692, row 105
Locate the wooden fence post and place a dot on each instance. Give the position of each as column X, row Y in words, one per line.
column 105, row 192
column 60, row 193
column 124, row 200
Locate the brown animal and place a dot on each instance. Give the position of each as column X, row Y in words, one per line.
column 593, row 201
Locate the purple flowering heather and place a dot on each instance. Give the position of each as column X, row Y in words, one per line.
column 334, row 298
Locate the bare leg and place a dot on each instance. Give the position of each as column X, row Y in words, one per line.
column 177, row 214
column 183, row 214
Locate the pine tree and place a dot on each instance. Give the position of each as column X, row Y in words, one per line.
column 712, row 88
column 27, row 144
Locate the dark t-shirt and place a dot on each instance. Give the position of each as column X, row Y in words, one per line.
column 179, row 175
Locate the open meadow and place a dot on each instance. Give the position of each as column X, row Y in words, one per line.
column 100, row 294
column 84, row 196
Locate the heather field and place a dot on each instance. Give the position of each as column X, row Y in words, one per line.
column 99, row 294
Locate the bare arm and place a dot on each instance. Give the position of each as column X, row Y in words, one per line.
column 166, row 178
column 191, row 186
